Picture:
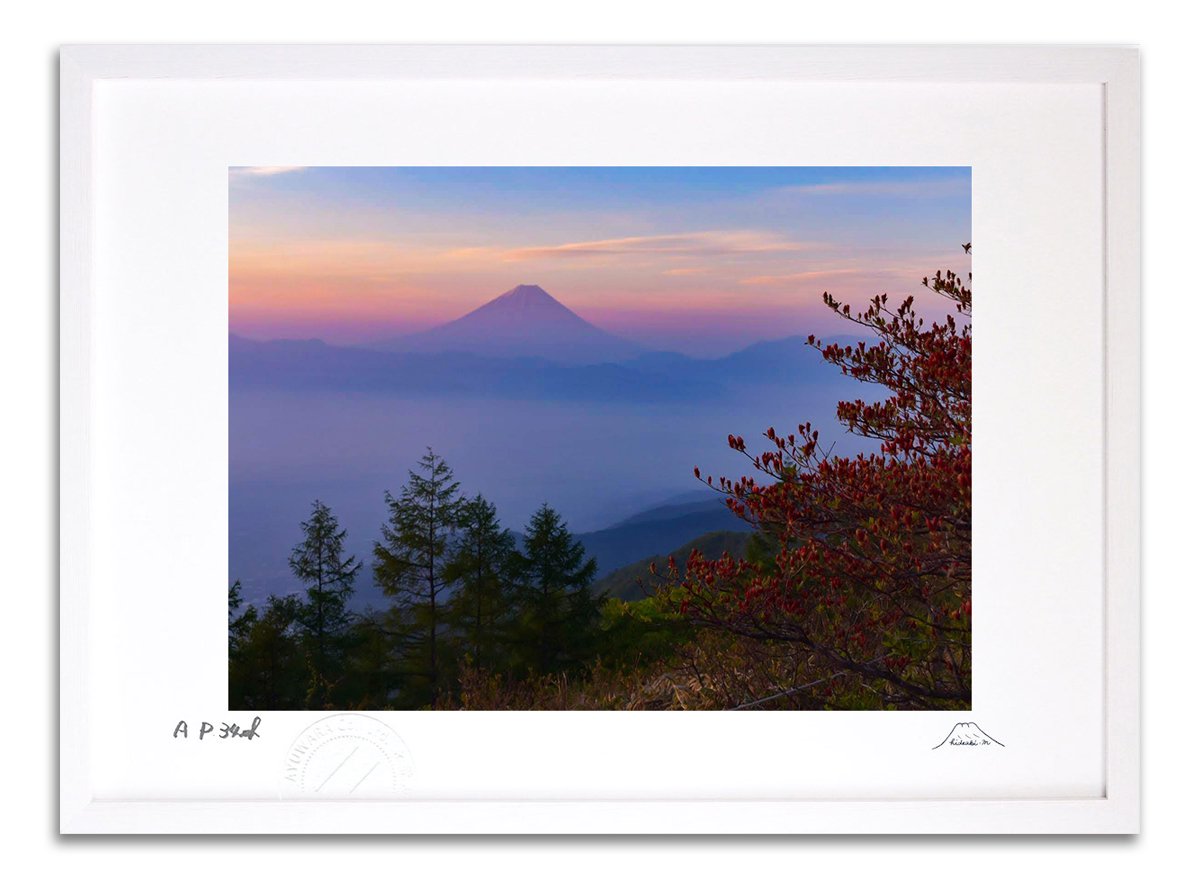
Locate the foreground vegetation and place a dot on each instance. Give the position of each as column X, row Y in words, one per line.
column 853, row 592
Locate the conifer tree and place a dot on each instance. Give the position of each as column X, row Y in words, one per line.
column 482, row 565
column 267, row 670
column 557, row 610
column 323, row 619
column 410, row 560
column 240, row 621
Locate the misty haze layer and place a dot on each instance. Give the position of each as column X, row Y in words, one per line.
column 601, row 429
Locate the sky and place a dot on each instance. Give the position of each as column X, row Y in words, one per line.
column 702, row 261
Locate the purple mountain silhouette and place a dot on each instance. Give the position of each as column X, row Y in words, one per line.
column 526, row 321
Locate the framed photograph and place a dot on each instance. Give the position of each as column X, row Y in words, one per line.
column 586, row 439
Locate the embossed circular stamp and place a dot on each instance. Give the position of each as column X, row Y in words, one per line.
column 346, row 756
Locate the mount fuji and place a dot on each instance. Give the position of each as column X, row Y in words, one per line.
column 526, row 321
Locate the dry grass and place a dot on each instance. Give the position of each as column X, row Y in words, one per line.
column 714, row 673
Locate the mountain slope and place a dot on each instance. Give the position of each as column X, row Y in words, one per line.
column 526, row 321
column 655, row 531
column 631, row 582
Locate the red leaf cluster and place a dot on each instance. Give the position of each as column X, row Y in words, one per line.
column 868, row 566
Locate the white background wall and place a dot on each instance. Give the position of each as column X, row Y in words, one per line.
column 28, row 428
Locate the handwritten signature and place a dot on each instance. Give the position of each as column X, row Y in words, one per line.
column 227, row 730
column 968, row 735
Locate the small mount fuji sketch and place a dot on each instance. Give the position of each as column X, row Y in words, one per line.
column 968, row 735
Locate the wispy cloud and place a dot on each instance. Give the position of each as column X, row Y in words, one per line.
column 822, row 274
column 264, row 170
column 933, row 188
column 707, row 244
column 684, row 272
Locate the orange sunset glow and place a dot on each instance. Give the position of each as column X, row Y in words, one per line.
column 699, row 260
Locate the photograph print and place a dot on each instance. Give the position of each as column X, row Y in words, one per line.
column 599, row 438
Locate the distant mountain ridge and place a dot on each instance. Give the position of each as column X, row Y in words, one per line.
column 649, row 533
column 313, row 365
column 633, row 581
column 525, row 321
column 306, row 365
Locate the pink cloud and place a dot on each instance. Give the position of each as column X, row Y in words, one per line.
column 710, row 243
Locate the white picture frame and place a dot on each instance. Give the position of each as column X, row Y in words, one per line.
column 101, row 789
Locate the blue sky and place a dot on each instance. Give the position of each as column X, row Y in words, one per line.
column 694, row 259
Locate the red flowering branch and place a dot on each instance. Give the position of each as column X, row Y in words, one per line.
column 870, row 569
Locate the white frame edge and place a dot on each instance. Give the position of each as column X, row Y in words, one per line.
column 1116, row 69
